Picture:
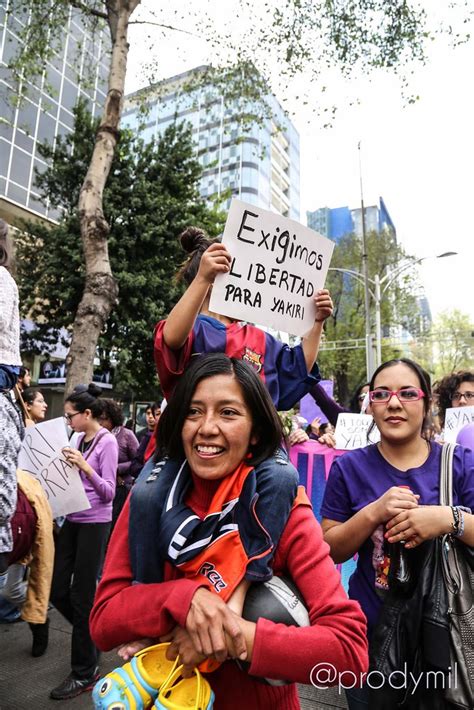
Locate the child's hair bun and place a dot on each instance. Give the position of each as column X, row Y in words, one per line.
column 193, row 238
column 94, row 390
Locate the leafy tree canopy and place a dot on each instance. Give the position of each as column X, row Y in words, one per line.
column 271, row 43
column 151, row 195
column 448, row 345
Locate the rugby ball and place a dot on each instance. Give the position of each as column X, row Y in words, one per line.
column 278, row 600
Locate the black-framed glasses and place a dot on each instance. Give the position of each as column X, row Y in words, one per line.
column 468, row 396
column 404, row 394
column 69, row 417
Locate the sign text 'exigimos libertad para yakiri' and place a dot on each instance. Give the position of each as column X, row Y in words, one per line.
column 277, row 267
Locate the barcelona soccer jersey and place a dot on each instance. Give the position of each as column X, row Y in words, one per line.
column 283, row 369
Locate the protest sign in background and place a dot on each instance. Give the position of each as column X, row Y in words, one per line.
column 41, row 455
column 352, row 431
column 455, row 419
column 308, row 407
column 278, row 265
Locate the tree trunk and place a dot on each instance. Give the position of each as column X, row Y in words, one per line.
column 100, row 289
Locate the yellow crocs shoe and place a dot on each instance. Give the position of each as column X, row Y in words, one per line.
column 178, row 693
column 135, row 685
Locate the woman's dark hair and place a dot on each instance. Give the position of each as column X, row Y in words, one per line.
column 111, row 410
column 29, row 395
column 194, row 241
column 5, row 246
column 445, row 388
column 354, row 404
column 266, row 425
column 86, row 397
column 154, row 406
column 425, row 385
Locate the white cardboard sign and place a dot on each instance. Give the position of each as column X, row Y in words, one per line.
column 41, row 455
column 456, row 419
column 278, row 265
column 352, row 431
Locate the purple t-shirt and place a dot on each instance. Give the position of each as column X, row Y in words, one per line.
column 102, row 456
column 362, row 476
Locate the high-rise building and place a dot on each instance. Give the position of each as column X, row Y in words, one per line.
column 258, row 164
column 335, row 222
column 47, row 112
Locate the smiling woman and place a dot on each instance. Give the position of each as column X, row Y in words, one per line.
column 385, row 498
column 203, row 508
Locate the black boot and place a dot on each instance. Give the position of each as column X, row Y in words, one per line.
column 40, row 638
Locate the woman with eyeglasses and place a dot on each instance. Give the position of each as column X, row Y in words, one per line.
column 80, row 545
column 388, row 493
column 454, row 390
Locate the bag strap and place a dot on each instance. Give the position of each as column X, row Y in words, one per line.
column 22, row 404
column 446, row 474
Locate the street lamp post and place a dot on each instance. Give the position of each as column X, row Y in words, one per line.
column 380, row 285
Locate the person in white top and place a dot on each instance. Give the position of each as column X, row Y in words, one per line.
column 11, row 424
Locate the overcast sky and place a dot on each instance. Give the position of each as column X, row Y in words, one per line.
column 419, row 157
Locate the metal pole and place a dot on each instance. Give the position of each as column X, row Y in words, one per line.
column 378, row 320
column 365, row 271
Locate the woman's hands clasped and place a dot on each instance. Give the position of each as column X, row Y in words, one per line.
column 393, row 502
column 416, row 525
column 215, row 630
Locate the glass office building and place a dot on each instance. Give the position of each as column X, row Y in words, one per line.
column 47, row 112
column 258, row 163
column 334, row 223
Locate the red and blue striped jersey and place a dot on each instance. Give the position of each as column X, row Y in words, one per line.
column 282, row 368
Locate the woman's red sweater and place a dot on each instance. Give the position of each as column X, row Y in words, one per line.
column 124, row 612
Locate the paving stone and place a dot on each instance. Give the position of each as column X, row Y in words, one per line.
column 25, row 682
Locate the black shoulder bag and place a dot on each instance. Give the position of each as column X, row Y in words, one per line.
column 458, row 573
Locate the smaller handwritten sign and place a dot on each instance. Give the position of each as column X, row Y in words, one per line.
column 455, row 420
column 41, row 456
column 352, row 431
column 277, row 267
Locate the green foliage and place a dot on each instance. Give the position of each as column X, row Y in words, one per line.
column 151, row 195
column 346, row 363
column 448, row 345
column 279, row 40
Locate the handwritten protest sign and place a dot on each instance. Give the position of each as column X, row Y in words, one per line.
column 277, row 267
column 352, row 431
column 41, row 455
column 455, row 419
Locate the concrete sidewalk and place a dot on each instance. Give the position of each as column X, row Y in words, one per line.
column 25, row 682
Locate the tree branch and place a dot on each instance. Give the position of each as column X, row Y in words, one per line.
column 160, row 24
column 89, row 10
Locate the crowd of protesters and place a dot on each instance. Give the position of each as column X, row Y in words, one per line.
column 208, row 481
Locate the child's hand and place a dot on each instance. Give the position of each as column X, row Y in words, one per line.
column 324, row 305
column 130, row 649
column 215, row 260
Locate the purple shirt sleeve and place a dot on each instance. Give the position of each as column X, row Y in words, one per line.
column 294, row 380
column 329, row 407
column 128, row 446
column 105, row 461
column 337, row 500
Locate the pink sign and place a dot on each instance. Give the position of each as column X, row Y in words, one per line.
column 313, row 462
